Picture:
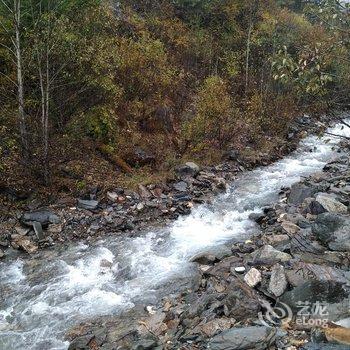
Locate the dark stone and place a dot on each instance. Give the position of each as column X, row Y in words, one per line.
column 204, row 259
column 333, row 230
column 181, row 197
column 44, row 217
column 180, row 186
column 232, row 155
column 87, row 204
column 315, row 208
column 258, row 218
column 38, row 229
column 315, row 291
column 146, row 344
column 299, row 192
column 81, row 343
column 256, row 337
column 141, row 157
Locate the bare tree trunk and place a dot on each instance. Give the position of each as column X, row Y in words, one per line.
column 44, row 91
column 21, row 113
column 248, row 54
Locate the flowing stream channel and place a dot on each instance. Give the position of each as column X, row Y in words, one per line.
column 40, row 299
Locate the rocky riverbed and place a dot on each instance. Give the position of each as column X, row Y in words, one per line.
column 287, row 287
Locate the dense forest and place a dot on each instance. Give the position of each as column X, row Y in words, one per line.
column 144, row 84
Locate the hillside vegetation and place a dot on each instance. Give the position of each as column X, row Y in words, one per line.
column 93, row 89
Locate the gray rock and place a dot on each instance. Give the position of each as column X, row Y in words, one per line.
column 22, row 230
column 299, row 192
column 87, row 204
column 313, row 291
column 81, row 343
column 204, row 258
column 267, row 252
column 38, row 229
column 333, row 230
column 146, row 344
column 331, row 204
column 314, row 208
column 44, row 217
column 257, row 217
column 180, row 186
column 2, row 254
column 278, row 281
column 188, row 169
column 257, row 338
column 253, row 277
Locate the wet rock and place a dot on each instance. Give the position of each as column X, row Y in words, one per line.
column 257, row 338
column 204, row 259
column 44, row 217
column 299, row 192
column 253, row 277
column 278, row 281
column 329, row 203
column 333, row 230
column 188, row 169
column 87, row 204
column 269, row 253
column 257, row 217
column 81, row 343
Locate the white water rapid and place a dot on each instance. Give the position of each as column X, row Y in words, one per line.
column 40, row 299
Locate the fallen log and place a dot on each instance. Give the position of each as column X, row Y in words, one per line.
column 108, row 154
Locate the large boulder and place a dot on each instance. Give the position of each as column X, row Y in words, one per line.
column 329, row 203
column 269, row 253
column 299, row 192
column 333, row 230
column 312, row 291
column 44, row 217
column 188, row 169
column 255, row 337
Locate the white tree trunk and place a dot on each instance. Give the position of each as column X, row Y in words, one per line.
column 21, row 113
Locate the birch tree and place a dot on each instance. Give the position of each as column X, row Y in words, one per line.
column 13, row 11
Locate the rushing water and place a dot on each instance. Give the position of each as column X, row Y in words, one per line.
column 41, row 298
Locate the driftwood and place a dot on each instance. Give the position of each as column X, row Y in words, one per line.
column 113, row 158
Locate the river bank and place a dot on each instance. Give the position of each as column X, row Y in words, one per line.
column 297, row 264
column 124, row 211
